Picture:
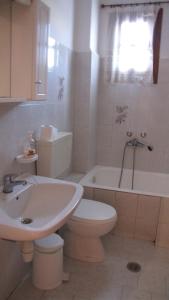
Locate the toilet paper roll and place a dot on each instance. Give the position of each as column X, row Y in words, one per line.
column 48, row 132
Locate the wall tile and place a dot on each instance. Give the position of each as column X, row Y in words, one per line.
column 164, row 211
column 85, row 109
column 105, row 114
column 104, row 135
column 88, row 193
column 105, row 196
column 148, row 208
column 81, row 161
column 126, row 204
column 163, row 235
column 125, row 226
column 134, row 294
column 144, row 101
column 145, row 229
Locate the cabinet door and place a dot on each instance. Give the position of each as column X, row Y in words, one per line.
column 29, row 50
column 5, row 47
column 22, row 54
column 41, row 56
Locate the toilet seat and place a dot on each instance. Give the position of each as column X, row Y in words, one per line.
column 90, row 211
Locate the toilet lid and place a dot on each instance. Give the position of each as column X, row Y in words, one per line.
column 94, row 211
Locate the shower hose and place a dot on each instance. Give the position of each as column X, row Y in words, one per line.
column 133, row 165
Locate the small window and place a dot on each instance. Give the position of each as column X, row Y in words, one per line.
column 134, row 44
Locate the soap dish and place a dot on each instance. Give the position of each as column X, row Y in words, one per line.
column 26, row 160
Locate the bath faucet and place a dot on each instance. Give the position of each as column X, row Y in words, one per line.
column 9, row 183
column 136, row 143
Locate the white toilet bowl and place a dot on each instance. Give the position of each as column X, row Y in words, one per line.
column 90, row 221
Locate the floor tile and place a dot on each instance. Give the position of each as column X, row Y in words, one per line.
column 131, row 294
column 158, row 297
column 111, row 280
column 153, row 282
column 27, row 292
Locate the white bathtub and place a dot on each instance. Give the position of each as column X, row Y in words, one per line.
column 142, row 212
column 147, row 183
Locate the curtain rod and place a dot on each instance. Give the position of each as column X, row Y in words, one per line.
column 133, row 4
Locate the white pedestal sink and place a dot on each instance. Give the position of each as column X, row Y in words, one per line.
column 38, row 209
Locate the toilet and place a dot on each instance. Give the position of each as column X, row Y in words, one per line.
column 91, row 219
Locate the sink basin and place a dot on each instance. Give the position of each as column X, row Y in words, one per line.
column 37, row 209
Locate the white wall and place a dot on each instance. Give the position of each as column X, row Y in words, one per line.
column 86, row 25
column 148, row 107
column 62, row 15
column 94, row 26
column 82, row 25
column 85, row 83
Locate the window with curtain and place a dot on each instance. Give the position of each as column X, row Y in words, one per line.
column 133, row 40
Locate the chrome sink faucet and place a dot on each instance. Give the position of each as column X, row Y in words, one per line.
column 9, row 182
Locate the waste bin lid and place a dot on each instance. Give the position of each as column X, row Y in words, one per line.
column 50, row 243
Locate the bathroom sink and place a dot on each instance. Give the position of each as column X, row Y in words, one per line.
column 37, row 209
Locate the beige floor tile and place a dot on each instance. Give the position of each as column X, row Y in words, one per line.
column 77, row 297
column 121, row 276
column 153, row 282
column 58, row 296
column 111, row 280
column 27, row 292
column 155, row 266
column 112, row 293
column 114, row 247
column 161, row 254
column 158, row 297
column 167, row 285
column 131, row 294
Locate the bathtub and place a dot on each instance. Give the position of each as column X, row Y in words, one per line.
column 143, row 213
column 148, row 183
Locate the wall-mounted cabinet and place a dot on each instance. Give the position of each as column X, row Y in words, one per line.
column 5, row 48
column 24, row 61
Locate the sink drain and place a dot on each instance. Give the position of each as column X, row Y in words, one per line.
column 134, row 267
column 26, row 221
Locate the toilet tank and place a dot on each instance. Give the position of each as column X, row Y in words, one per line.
column 55, row 156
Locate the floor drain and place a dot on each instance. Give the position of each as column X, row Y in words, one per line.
column 134, row 267
column 26, row 221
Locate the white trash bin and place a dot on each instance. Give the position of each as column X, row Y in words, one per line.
column 48, row 262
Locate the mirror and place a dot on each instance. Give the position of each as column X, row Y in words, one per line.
column 5, row 47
